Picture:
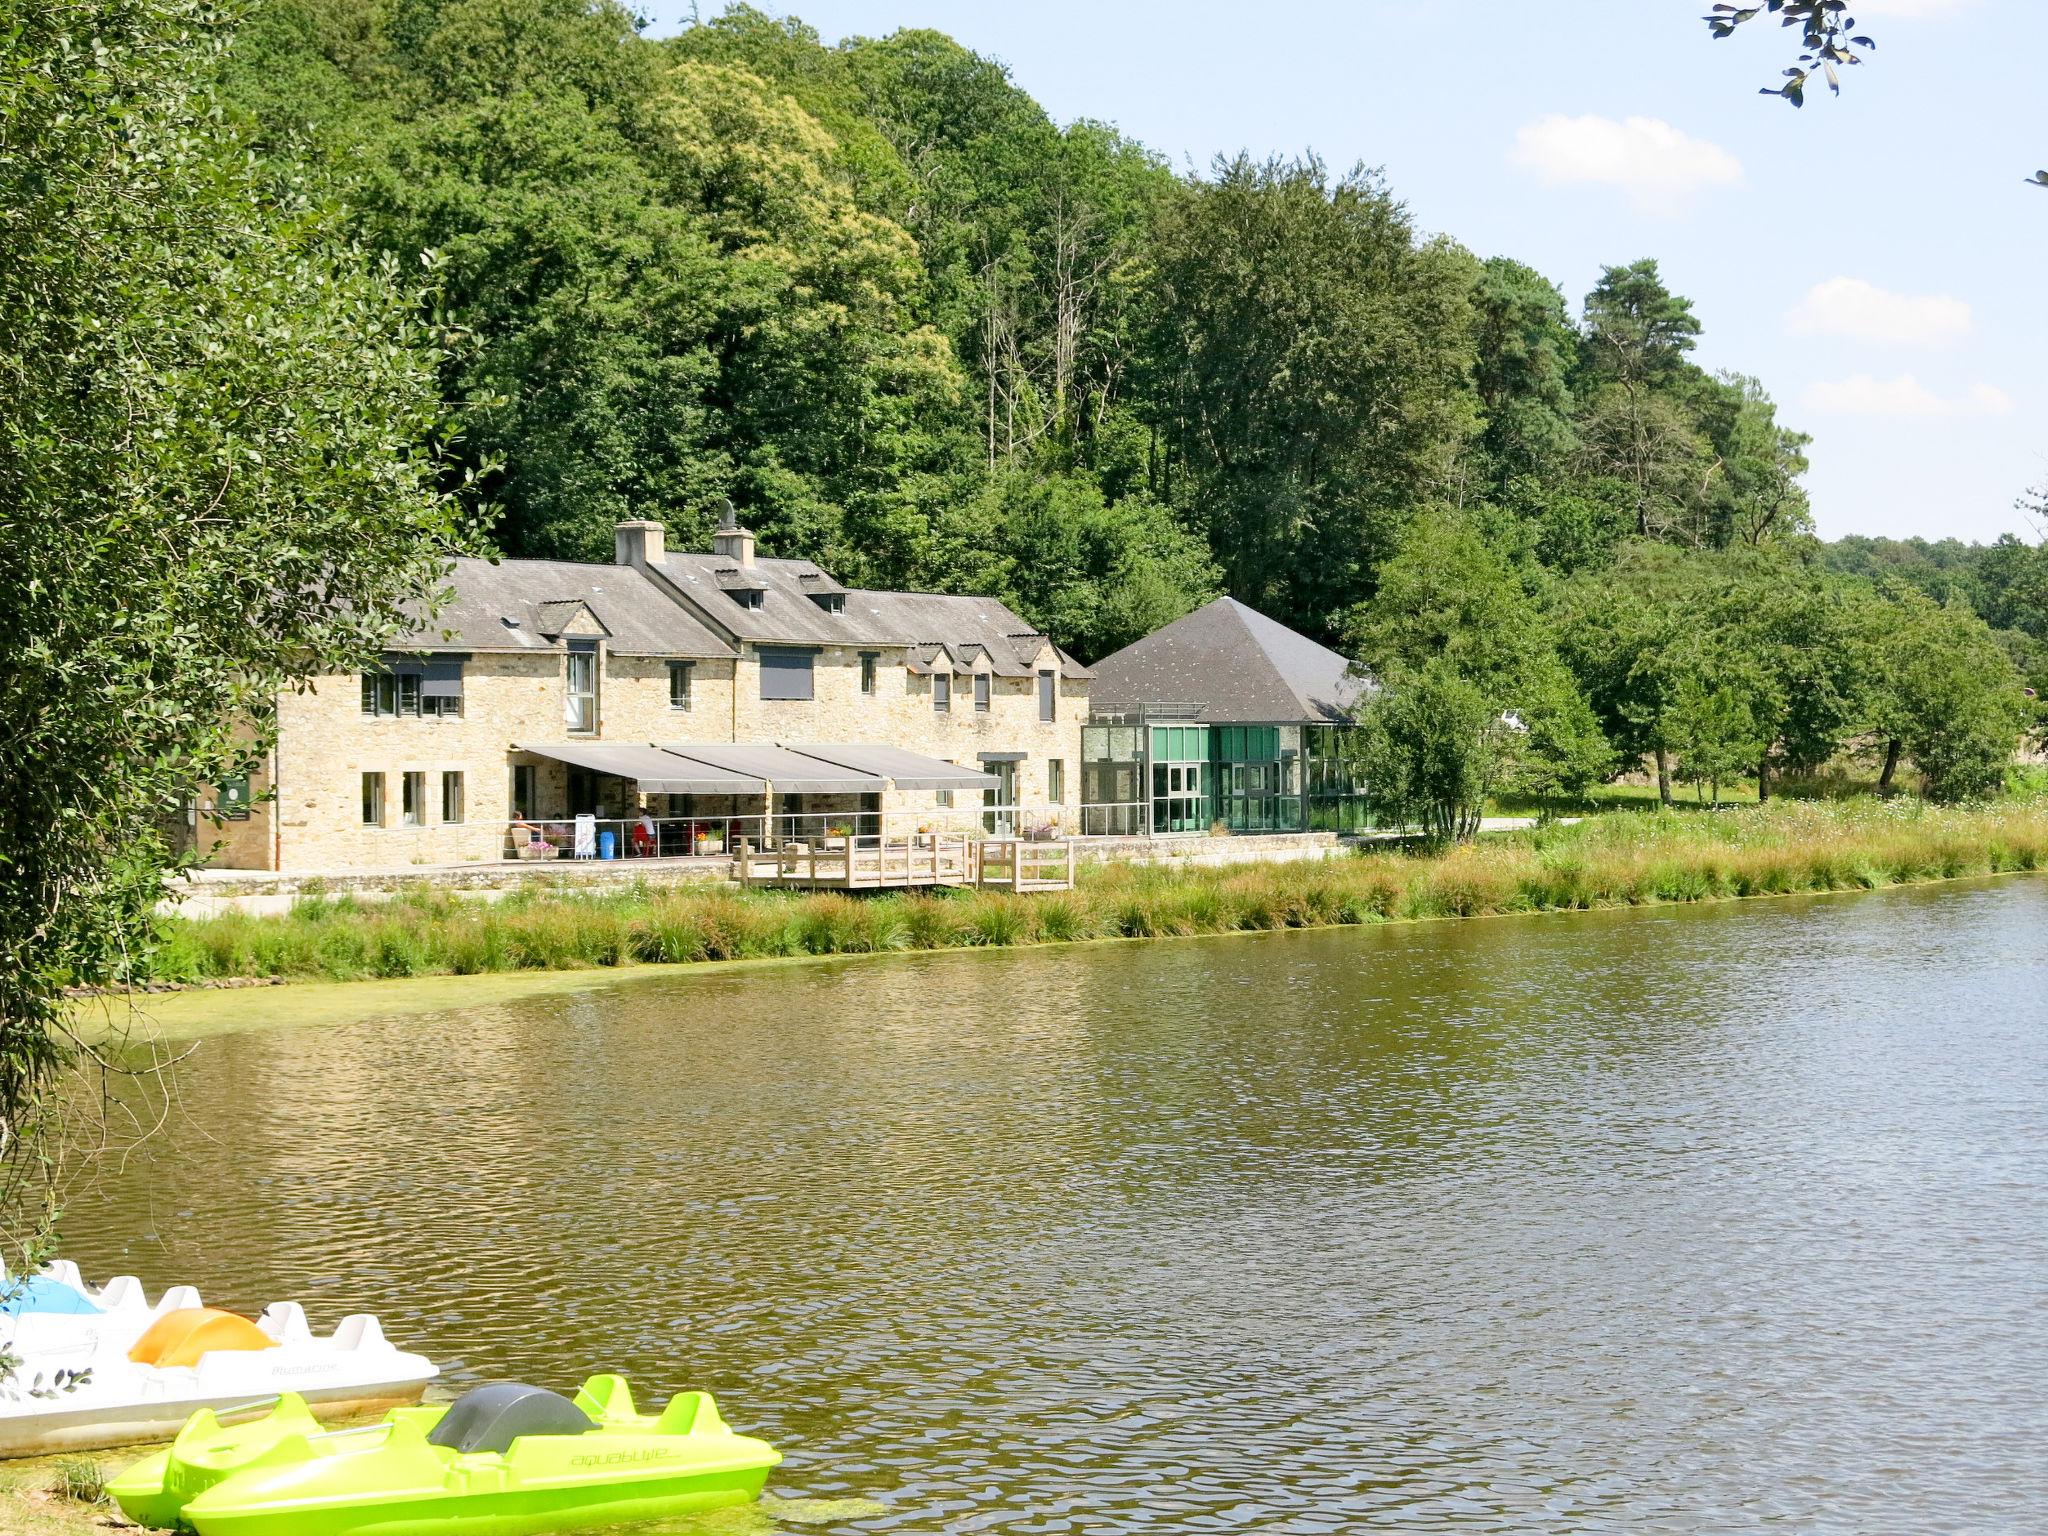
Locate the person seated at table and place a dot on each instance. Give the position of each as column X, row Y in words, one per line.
column 646, row 840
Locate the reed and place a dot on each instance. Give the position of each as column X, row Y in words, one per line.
column 81, row 1480
column 1614, row 860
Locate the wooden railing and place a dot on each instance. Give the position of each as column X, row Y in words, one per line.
column 923, row 860
column 1024, row 866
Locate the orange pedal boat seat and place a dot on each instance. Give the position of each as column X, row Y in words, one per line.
column 181, row 1337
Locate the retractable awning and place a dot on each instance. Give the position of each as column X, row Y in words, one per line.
column 906, row 770
column 656, row 771
column 791, row 773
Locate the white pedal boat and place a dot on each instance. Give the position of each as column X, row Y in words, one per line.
column 55, row 1312
column 116, row 1393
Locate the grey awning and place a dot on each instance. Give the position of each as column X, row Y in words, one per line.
column 791, row 773
column 1001, row 757
column 906, row 770
column 656, row 772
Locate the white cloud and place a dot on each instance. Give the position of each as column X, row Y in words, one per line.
column 1861, row 395
column 1848, row 306
column 1657, row 165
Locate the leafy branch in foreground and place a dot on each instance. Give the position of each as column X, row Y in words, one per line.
column 1827, row 38
column 218, row 477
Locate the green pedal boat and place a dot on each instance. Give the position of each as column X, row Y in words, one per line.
column 506, row 1459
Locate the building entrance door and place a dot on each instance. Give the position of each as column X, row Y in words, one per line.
column 1180, row 779
column 999, row 805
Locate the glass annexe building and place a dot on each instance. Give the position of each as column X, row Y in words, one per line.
column 1223, row 716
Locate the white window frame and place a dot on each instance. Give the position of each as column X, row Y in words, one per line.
column 685, row 673
column 454, row 795
column 580, row 721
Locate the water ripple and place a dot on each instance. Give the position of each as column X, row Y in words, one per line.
column 1673, row 1221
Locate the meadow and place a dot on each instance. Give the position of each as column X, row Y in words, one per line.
column 1623, row 859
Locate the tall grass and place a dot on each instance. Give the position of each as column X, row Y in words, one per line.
column 1623, row 859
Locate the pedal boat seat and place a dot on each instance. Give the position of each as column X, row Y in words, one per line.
column 490, row 1418
column 180, row 1337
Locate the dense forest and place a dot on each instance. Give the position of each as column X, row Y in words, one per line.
column 922, row 333
column 300, row 297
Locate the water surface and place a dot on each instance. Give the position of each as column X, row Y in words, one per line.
column 1693, row 1220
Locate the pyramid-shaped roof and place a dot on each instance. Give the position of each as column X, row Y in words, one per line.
column 1233, row 665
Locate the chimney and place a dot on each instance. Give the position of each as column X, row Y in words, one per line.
column 636, row 543
column 731, row 540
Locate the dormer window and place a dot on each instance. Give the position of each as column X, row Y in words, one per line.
column 748, row 597
column 831, row 602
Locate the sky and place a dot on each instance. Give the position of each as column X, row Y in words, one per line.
column 1862, row 256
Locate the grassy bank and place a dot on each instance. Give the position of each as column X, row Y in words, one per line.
column 60, row 1495
column 1612, row 861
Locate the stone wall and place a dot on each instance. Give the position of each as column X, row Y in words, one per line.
column 900, row 713
column 326, row 745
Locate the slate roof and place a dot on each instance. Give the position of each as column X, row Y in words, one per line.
column 786, row 616
column 538, row 596
column 1239, row 666
column 523, row 605
column 931, row 622
column 965, row 627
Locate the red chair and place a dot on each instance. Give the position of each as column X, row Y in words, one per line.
column 643, row 842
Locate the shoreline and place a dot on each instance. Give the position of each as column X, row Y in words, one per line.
column 199, row 1012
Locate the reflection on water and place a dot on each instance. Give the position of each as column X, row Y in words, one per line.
column 1688, row 1220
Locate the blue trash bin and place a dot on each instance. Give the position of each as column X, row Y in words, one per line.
column 607, row 845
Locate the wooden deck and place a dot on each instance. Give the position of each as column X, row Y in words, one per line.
column 1012, row 864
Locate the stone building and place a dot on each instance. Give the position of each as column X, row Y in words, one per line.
column 1228, row 719
column 716, row 695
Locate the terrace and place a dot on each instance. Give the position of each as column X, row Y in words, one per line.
column 812, row 816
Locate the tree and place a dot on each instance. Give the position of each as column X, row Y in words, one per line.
column 1472, row 696
column 1096, row 573
column 1524, row 351
column 1801, row 631
column 1309, row 375
column 828, row 388
column 1756, row 495
column 2012, row 577
column 1946, row 695
column 1637, row 335
column 1714, row 727
column 1633, row 636
column 217, row 479
column 1435, row 750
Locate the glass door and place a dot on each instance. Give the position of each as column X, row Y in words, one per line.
column 1180, row 778
column 999, row 805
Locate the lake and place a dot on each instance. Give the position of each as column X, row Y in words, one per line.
column 1700, row 1219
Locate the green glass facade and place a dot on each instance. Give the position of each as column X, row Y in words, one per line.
column 1184, row 777
column 1334, row 783
column 1181, row 781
